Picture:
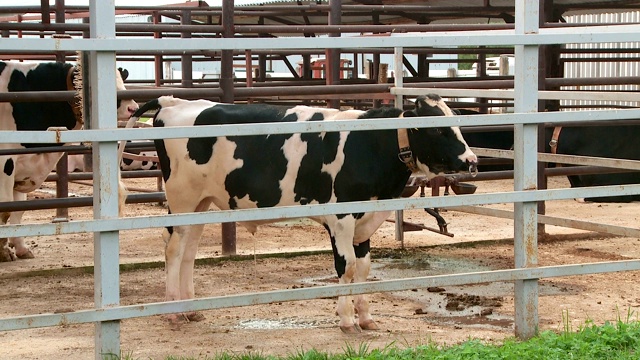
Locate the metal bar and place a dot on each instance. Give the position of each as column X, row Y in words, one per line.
column 397, row 82
column 266, row 297
column 228, row 231
column 525, row 170
column 618, row 33
column 288, row 212
column 48, row 137
column 543, row 94
column 556, row 221
column 102, row 68
column 566, row 159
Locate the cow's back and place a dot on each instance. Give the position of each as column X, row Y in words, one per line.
column 249, row 171
column 603, row 141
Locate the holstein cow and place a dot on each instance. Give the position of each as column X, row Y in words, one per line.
column 24, row 173
column 600, row 141
column 608, row 141
column 239, row 172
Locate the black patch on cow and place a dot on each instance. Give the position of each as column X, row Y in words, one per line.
column 9, row 166
column 616, row 141
column 339, row 261
column 361, row 178
column 362, row 249
column 312, row 184
column 163, row 159
column 41, row 115
column 127, row 161
column 169, row 228
column 263, row 160
column 2, row 66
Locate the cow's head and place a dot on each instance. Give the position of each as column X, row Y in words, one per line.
column 126, row 108
column 442, row 150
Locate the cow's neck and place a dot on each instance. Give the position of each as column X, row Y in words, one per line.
column 406, row 155
column 76, row 102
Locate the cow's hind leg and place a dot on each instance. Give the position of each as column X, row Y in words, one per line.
column 7, row 167
column 363, row 265
column 181, row 246
column 344, row 256
column 22, row 251
column 6, row 254
column 186, row 269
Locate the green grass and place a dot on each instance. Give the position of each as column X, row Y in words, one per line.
column 618, row 340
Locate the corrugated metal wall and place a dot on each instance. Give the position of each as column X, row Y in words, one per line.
column 603, row 68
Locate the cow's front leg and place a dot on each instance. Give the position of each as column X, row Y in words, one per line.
column 341, row 233
column 22, row 251
column 363, row 265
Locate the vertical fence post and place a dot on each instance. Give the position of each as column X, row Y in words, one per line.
column 228, row 232
column 398, row 82
column 525, row 165
column 102, row 68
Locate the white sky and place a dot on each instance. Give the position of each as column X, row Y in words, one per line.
column 117, row 2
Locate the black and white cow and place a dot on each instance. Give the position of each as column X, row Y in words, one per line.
column 24, row 173
column 239, row 172
column 608, row 141
column 616, row 141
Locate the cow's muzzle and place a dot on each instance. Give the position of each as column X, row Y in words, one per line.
column 473, row 168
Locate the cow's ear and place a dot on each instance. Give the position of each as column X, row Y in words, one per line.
column 420, row 103
column 124, row 73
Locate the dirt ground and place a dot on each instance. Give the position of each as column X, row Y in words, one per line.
column 445, row 315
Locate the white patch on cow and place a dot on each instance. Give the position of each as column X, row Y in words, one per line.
column 294, row 150
column 333, row 168
column 305, row 113
column 367, row 225
column 468, row 155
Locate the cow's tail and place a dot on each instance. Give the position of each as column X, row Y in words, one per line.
column 148, row 106
column 122, row 190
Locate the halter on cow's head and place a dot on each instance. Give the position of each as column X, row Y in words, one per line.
column 434, row 159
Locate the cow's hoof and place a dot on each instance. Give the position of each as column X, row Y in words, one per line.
column 194, row 316
column 27, row 255
column 369, row 325
column 352, row 329
column 175, row 321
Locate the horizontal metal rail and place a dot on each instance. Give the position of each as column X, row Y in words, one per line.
column 114, row 135
column 266, row 297
column 547, row 36
column 542, row 94
column 556, row 221
column 310, row 210
column 565, row 159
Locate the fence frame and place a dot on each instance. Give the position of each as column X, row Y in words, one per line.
column 102, row 45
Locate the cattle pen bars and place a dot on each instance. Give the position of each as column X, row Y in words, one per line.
column 102, row 46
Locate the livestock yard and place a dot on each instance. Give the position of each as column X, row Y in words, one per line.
column 446, row 315
column 96, row 284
